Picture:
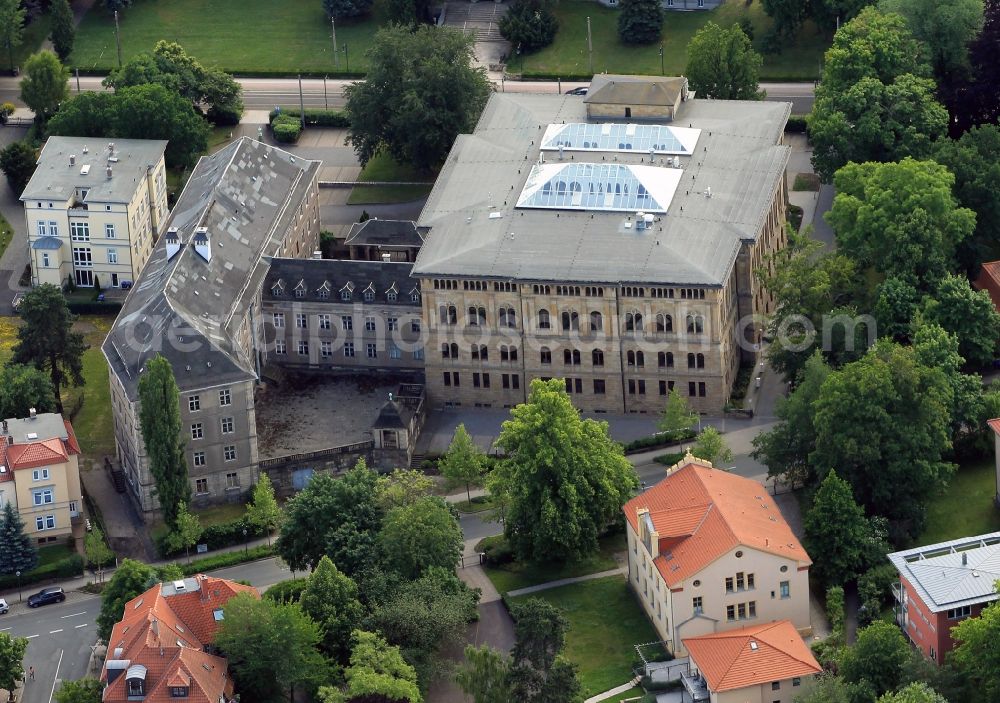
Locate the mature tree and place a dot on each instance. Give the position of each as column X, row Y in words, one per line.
column 565, row 478
column 945, row 28
column 529, row 25
column 88, row 114
column 342, row 9
column 264, row 513
column 186, row 531
column 883, row 424
column 81, row 691
column 253, row 631
column 408, row 13
column 900, row 219
column 788, row 16
column 974, row 159
column 723, row 65
column 829, row 14
column 830, row 688
column 463, row 463
column 836, row 532
column 12, row 26
column 484, row 675
column 786, row 448
column 917, row 692
column 130, row 579
column 966, row 313
column 895, row 306
column 339, row 517
column 47, row 341
column 403, row 487
column 97, row 550
column 420, row 93
column 677, row 417
column 875, row 102
column 117, row 5
column 421, row 535
column 24, row 387
column 45, row 84
column 17, row 550
column 11, row 661
column 640, row 21
column 377, row 673
column 877, row 657
column 160, row 422
column 427, row 617
column 63, row 28
column 18, row 162
column 976, row 654
column 711, row 446
column 331, row 599
column 153, row 112
column 977, row 101
column 937, row 348
column 170, row 66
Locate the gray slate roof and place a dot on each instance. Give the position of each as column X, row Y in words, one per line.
column 47, row 243
column 943, row 581
column 695, row 242
column 385, row 233
column 43, row 425
column 188, row 309
column 55, row 179
column 633, row 90
column 312, row 274
column 390, row 417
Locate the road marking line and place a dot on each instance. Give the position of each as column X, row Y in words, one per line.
column 52, row 632
column 56, row 679
column 82, row 612
column 31, row 637
column 79, row 626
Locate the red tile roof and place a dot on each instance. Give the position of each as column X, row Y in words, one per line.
column 166, row 634
column 701, row 513
column 71, row 443
column 8, row 473
column 995, row 425
column 41, row 453
column 751, row 656
column 989, row 281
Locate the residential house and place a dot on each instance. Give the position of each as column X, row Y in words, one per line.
column 764, row 663
column 709, row 551
column 94, row 210
column 198, row 303
column 40, row 475
column 162, row 648
column 611, row 241
column 384, row 240
column 989, row 281
column 942, row 584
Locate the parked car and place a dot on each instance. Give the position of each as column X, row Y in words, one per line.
column 577, row 91
column 3, row 606
column 46, row 596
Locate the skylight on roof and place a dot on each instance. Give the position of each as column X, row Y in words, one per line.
column 628, row 138
column 600, row 187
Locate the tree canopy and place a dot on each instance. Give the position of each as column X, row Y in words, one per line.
column 723, row 65
column 945, row 29
column 976, row 654
column 836, row 532
column 377, row 673
column 711, row 446
column 160, row 424
column 977, row 101
column 966, row 313
column 420, row 93
column 23, row 387
column 86, row 690
column 421, row 535
column 877, row 657
column 331, row 599
column 564, row 478
column 264, row 512
column 17, row 550
column 12, row 16
column 342, row 9
column 640, row 21
column 18, row 162
column 45, row 84
column 63, row 28
column 12, row 651
column 463, row 463
column 677, row 417
column 129, row 580
column 529, row 25
column 917, row 692
column 186, row 531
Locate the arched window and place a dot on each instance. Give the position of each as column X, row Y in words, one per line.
column 630, row 357
column 664, row 323
column 477, row 316
column 695, row 324
column 665, row 360
column 691, row 362
column 445, row 351
column 640, row 359
column 570, row 320
column 543, row 319
column 700, row 359
column 480, row 352
column 633, row 322
column 448, row 315
column 596, row 321
column 545, row 355
column 507, row 317
column 597, row 357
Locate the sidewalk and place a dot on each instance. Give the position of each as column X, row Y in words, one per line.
column 563, row 582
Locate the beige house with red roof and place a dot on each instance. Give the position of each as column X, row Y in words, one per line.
column 709, row 551
column 161, row 650
column 765, row 663
column 40, row 475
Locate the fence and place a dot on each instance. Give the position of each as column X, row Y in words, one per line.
column 281, row 461
column 472, row 560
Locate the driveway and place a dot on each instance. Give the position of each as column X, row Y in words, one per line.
column 16, row 257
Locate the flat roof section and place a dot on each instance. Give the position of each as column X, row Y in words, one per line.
column 601, row 187
column 623, row 138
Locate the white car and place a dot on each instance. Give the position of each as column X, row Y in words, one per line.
column 3, row 606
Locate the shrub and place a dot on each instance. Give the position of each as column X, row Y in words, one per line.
column 529, row 24
column 315, row 117
column 223, row 116
column 227, row 534
column 221, row 561
column 286, row 129
column 94, row 308
column 798, row 124
column 287, row 591
column 70, row 567
column 497, row 550
column 657, row 440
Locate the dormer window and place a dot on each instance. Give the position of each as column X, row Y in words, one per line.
column 323, row 292
column 347, row 291
column 370, row 293
column 391, row 296
column 415, row 296
column 278, row 289
column 179, row 691
column 300, row 290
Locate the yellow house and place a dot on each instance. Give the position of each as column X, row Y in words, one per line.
column 40, row 462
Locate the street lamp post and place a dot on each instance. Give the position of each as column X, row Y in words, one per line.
column 347, row 58
column 19, row 598
column 661, row 59
column 246, row 542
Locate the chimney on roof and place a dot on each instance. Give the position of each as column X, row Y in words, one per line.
column 202, row 243
column 965, row 559
column 72, row 159
column 387, row 257
column 109, row 172
column 155, row 627
column 32, row 413
column 173, row 240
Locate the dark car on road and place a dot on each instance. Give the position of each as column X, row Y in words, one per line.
column 46, row 596
column 577, row 91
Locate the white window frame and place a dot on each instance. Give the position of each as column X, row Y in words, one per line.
column 197, row 431
column 229, row 454
column 109, row 230
column 194, row 403
column 112, row 255
column 225, row 397
column 40, row 474
column 227, row 425
column 198, row 459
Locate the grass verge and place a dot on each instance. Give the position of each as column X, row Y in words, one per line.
column 669, row 459
column 965, row 507
column 567, row 56
column 383, row 167
column 476, row 505
column 375, row 195
column 6, row 234
column 806, row 181
column 604, row 624
column 31, row 41
column 514, row 575
column 287, row 38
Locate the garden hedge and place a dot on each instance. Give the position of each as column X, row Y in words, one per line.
column 315, row 117
column 227, row 534
column 70, row 567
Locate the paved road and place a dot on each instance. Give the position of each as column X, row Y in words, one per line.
column 265, row 93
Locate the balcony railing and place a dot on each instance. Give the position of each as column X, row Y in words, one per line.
column 897, row 591
column 696, row 687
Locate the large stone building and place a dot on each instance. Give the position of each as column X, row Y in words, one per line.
column 198, row 303
column 611, row 241
column 94, row 210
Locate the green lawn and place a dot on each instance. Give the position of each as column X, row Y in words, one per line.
column 53, row 553
column 604, row 623
column 966, row 507
column 509, row 577
column 476, row 505
column 629, row 695
column 6, row 234
column 213, row 515
column 31, row 41
column 568, row 57
column 241, row 36
column 384, row 168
